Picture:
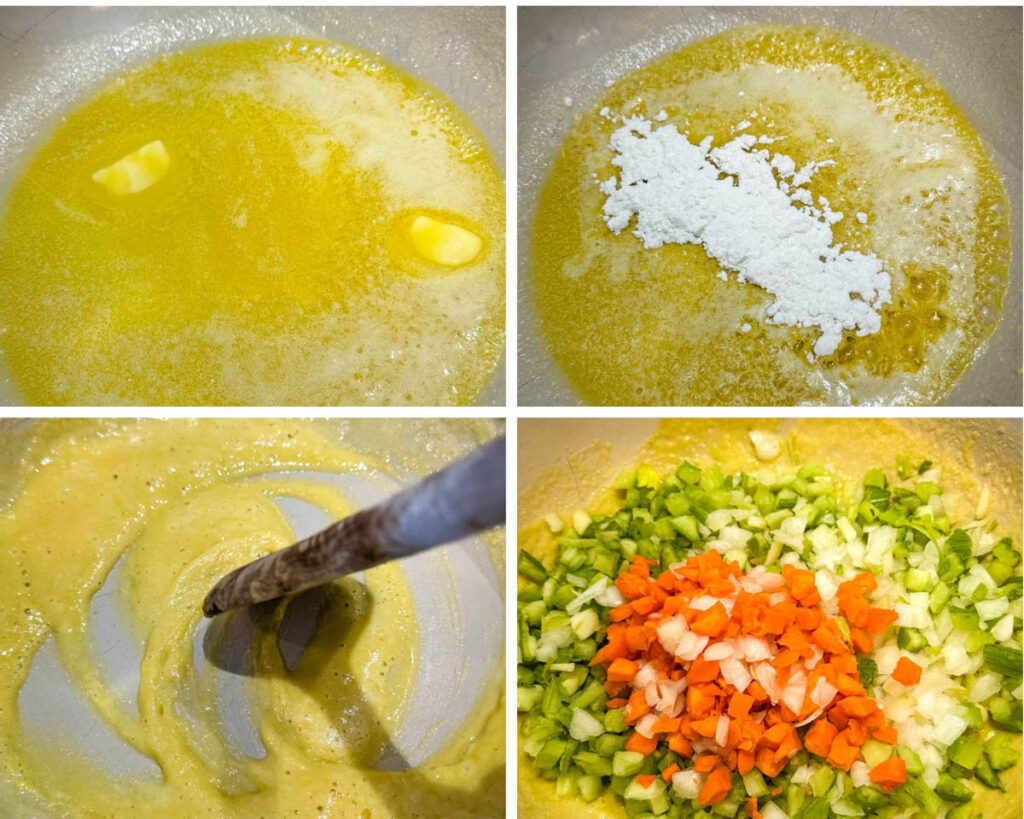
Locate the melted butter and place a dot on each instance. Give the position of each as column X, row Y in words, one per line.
column 171, row 502
column 268, row 264
column 905, row 156
column 969, row 457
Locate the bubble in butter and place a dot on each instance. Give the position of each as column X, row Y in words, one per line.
column 135, row 172
column 173, row 505
column 444, row 243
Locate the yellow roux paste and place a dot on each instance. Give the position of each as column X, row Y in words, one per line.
column 849, row 447
column 169, row 498
column 263, row 222
column 635, row 326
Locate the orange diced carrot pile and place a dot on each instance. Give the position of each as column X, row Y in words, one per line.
column 725, row 667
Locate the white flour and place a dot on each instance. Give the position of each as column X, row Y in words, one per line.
column 751, row 212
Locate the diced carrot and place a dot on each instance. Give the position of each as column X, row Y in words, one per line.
column 776, row 790
column 878, row 620
column 702, row 670
column 739, row 705
column 631, row 586
column 622, row 670
column 669, row 771
column 857, row 706
column 640, row 566
column 828, row 639
column 637, row 638
column 886, row 734
column 679, row 744
column 744, row 762
column 641, row 744
column 907, row 672
column 706, row 763
column 665, row 725
column 620, row 613
column 618, row 702
column 889, row 774
column 698, row 703
column 706, row 727
column 716, row 787
column 645, row 780
column 712, row 622
column 819, row 738
column 752, row 810
column 645, row 605
column 842, row 754
column 856, row 733
column 638, row 706
column 861, row 640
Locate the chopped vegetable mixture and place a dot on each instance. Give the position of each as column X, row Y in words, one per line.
column 724, row 646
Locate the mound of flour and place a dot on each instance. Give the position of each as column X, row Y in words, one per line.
column 736, row 202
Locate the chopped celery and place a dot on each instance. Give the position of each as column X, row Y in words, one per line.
column 1004, row 660
column 868, row 797
column 1004, row 552
column 608, row 744
column 953, row 790
column 875, row 752
column 911, row 639
column 822, row 780
column 527, row 698
column 531, row 568
column 615, row 720
column 866, row 670
column 550, row 754
column 1006, row 713
column 817, row 808
column 590, row 787
column 627, row 763
column 938, row 597
column 914, row 765
column 999, row 752
column 593, row 763
column 924, row 796
column 754, row 783
column 983, row 771
column 966, row 751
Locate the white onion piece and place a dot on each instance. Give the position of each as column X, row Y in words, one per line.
column 735, row 673
column 719, row 651
column 691, row 646
column 643, row 727
column 722, row 731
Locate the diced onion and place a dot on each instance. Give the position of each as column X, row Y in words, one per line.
column 687, row 784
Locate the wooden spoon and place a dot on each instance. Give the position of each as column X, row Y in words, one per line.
column 459, row 500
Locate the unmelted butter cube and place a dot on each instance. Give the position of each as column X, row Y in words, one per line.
column 444, row 243
column 136, row 171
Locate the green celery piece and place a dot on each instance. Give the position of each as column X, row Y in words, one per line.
column 983, row 771
column 1006, row 713
column 529, row 593
column 959, row 544
column 550, row 754
column 626, row 479
column 1000, row 572
column 903, row 467
column 647, row 477
column 866, row 670
column 963, row 812
column 939, row 597
column 688, row 473
column 817, row 808
column 524, row 676
column 584, row 650
column 966, row 751
column 525, row 640
column 795, row 799
column 627, row 763
column 615, row 720
column 528, row 696
column 925, row 489
column 972, row 713
column 531, row 568
column 754, row 783
column 999, row 752
column 875, row 478
column 875, row 752
column 1004, row 660
column 917, row 580
column 590, row 695
column 1004, row 552
column 572, row 680
column 951, row 567
column 677, row 504
column 822, row 779
column 565, row 763
column 924, row 796
column 953, row 790
column 534, row 612
column 910, row 639
column 868, row 797
column 593, row 763
column 590, row 787
column 609, row 744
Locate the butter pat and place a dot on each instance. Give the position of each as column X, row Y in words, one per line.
column 136, row 171
column 444, row 243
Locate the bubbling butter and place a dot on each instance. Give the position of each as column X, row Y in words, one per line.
column 253, row 250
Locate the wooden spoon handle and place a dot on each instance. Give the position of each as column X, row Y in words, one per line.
column 459, row 500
